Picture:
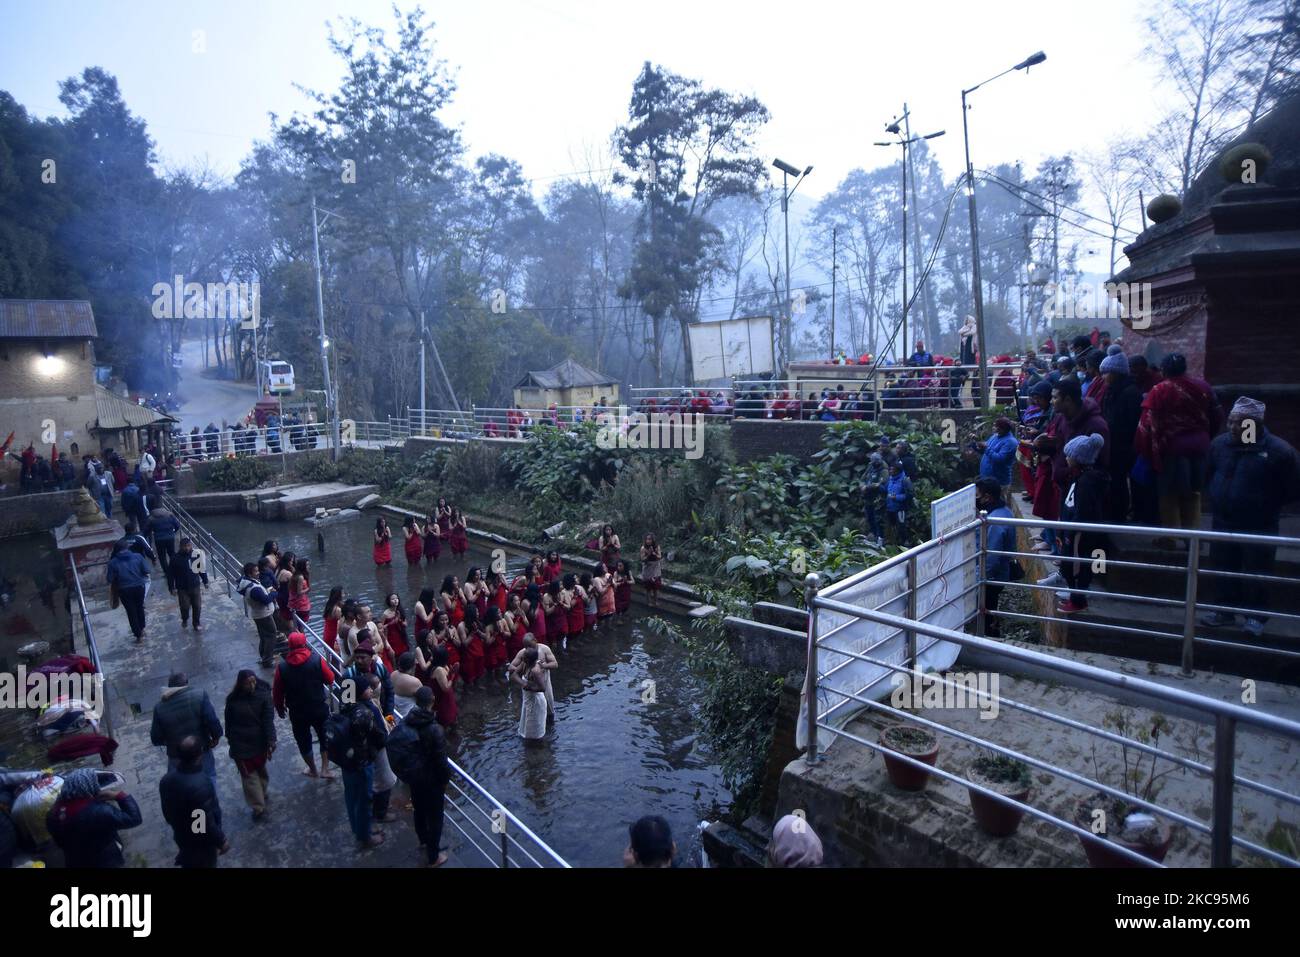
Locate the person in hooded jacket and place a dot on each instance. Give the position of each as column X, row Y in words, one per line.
column 260, row 602
column 873, row 495
column 999, row 452
column 85, row 820
column 1251, row 474
column 188, row 797
column 1084, row 502
column 1075, row 416
column 183, row 711
column 1121, row 407
column 250, row 732
column 301, row 684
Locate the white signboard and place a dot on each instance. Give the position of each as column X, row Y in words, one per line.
column 946, row 597
column 733, row 347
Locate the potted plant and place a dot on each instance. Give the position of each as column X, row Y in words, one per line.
column 1005, row 776
column 920, row 744
column 1122, row 821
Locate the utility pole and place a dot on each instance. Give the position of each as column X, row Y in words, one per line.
column 926, row 301
column 788, row 338
column 835, row 230
column 331, row 400
column 982, row 383
column 1056, row 218
column 422, row 402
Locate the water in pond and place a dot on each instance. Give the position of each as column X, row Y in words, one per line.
column 610, row 758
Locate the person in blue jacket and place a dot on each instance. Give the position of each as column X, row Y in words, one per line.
column 898, row 499
column 999, row 453
column 128, row 572
column 1001, row 538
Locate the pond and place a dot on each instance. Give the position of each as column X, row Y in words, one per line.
column 609, row 759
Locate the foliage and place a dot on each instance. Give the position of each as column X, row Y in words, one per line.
column 470, row 467
column 316, row 468
column 364, row 467
column 1000, row 769
column 771, row 566
column 737, row 706
column 239, row 474
column 760, row 494
column 569, row 466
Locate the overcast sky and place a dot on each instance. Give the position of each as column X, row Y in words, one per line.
column 546, row 82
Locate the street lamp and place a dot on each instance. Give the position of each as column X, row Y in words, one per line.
column 787, row 170
column 905, row 141
column 1025, row 64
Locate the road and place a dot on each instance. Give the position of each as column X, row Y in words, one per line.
column 218, row 401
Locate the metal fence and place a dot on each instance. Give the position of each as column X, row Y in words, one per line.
column 487, row 825
column 1193, row 572
column 1219, row 776
column 250, row 441
column 91, row 646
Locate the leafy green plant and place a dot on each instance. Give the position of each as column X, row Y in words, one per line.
column 315, row 468
column 760, row 495
column 239, row 474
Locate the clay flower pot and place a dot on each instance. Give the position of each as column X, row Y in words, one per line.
column 919, row 743
column 1100, row 849
column 1006, row 776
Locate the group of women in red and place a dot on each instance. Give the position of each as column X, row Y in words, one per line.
column 424, row 540
column 466, row 634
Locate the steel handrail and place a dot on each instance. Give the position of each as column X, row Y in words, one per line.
column 92, row 647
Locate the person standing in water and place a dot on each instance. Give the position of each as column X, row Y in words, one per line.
column 547, row 660
column 528, row 677
column 652, row 568
column 412, row 541
column 383, row 550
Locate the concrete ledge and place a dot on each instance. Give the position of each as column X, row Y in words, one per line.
column 768, row 647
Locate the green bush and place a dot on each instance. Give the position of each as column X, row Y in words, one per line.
column 760, row 495
column 471, row 467
column 366, row 467
column 316, row 468
column 570, row 467
column 239, row 474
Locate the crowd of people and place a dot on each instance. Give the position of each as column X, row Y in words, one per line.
column 1104, row 438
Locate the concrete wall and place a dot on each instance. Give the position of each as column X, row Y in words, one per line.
column 416, row 446
column 760, row 438
column 31, row 514
column 30, row 392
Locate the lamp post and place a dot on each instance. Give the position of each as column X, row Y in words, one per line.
column 788, row 170
column 982, row 385
column 905, row 141
column 331, row 399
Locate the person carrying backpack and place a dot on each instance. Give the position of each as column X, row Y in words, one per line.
column 352, row 739
column 301, row 685
column 417, row 752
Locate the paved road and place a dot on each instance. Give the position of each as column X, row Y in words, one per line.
column 210, row 400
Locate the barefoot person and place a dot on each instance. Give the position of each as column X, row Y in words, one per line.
column 302, row 681
column 652, row 568
column 546, row 659
column 528, row 677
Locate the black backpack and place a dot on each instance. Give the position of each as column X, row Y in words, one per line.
column 404, row 753
column 345, row 736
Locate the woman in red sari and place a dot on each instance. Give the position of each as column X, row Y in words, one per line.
column 497, row 591
column 473, row 652
column 383, row 550
column 448, row 637
column 494, row 642
column 412, row 541
column 551, row 568
column 609, row 546
column 432, row 540
column 515, row 621
column 443, row 511
column 451, row 601
column 577, row 605
column 393, row 621
column 622, row 588
column 331, row 615
column 442, row 680
column 556, row 612
column 425, row 611
column 459, row 533
column 475, row 591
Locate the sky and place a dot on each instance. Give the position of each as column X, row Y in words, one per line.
column 545, row 83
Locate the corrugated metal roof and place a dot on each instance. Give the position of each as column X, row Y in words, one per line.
column 114, row 413
column 565, row 375
column 46, row 319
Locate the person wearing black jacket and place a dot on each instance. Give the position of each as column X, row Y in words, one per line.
column 1250, row 475
column 185, row 711
column 189, row 575
column 164, row 528
column 85, row 820
column 302, row 681
column 365, row 662
column 364, row 740
column 1084, row 502
column 190, row 806
column 429, row 786
column 250, row 732
column 1121, row 407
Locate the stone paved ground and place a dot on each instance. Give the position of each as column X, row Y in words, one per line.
column 308, row 824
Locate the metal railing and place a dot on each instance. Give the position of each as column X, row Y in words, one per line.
column 253, row 440
column 1183, row 608
column 1226, row 718
column 92, row 647
column 486, row 824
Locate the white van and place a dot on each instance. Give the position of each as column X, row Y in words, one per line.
column 278, row 376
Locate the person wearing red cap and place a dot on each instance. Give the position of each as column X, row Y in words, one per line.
column 301, row 684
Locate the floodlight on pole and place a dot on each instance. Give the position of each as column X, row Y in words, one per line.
column 788, row 170
column 982, row 389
